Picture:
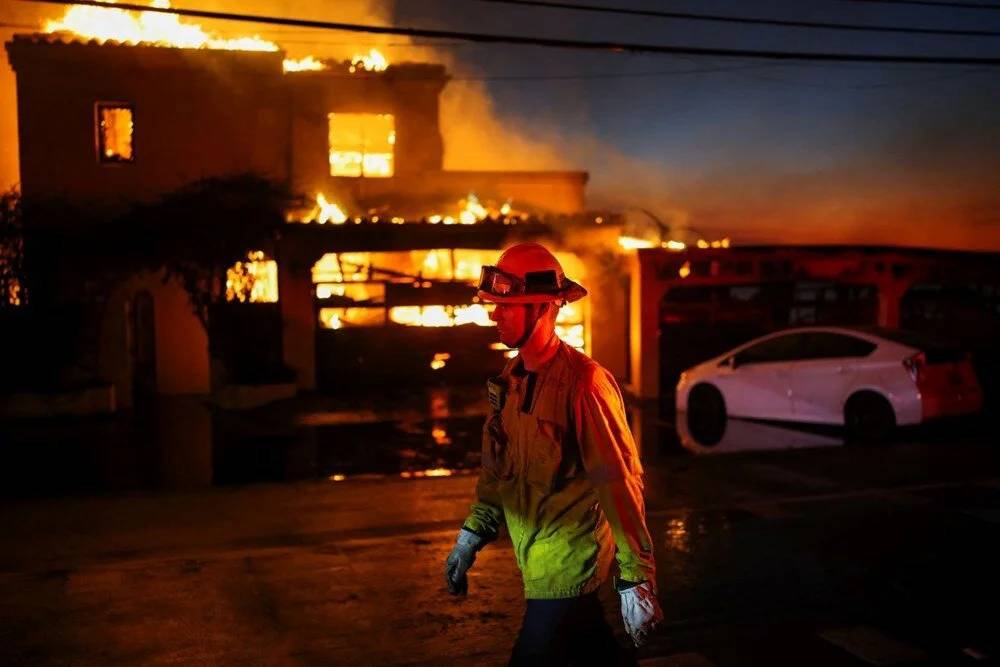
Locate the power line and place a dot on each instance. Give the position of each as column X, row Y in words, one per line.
column 687, row 16
column 931, row 3
column 615, row 47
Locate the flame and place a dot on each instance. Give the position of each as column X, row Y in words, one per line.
column 473, row 211
column 571, row 334
column 472, row 314
column 307, row 64
column 167, row 30
column 338, row 478
column 373, row 61
column 326, row 211
column 631, row 242
column 685, row 270
column 440, row 316
column 332, row 321
column 254, row 280
column 421, row 316
column 361, row 144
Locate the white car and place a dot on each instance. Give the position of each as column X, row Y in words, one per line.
column 868, row 380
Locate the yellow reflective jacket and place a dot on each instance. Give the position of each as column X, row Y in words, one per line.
column 567, row 481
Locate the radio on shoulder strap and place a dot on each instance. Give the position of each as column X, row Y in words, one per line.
column 496, row 388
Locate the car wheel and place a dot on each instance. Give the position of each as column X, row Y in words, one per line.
column 868, row 418
column 706, row 414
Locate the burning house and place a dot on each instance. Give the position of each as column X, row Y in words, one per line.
column 371, row 275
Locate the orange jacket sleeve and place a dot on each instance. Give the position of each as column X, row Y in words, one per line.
column 612, row 462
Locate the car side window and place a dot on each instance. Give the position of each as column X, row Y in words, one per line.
column 836, row 346
column 782, row 348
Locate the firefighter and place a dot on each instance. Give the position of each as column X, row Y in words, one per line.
column 560, row 469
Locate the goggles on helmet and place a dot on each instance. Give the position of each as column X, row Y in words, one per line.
column 497, row 282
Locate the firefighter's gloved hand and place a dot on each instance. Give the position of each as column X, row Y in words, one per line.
column 640, row 609
column 461, row 558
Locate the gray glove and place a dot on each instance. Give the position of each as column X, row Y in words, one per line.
column 461, row 558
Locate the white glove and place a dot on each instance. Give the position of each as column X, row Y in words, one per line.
column 640, row 610
column 461, row 558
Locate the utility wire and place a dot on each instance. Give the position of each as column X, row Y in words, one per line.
column 618, row 47
column 931, row 3
column 687, row 16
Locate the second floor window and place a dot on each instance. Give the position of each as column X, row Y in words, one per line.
column 115, row 130
column 361, row 144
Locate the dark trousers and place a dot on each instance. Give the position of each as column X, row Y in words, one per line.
column 568, row 631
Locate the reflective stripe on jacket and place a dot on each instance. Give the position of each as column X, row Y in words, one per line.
column 567, row 482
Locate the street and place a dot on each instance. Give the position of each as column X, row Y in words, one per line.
column 818, row 556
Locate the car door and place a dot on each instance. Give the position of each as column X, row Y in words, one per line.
column 826, row 373
column 757, row 383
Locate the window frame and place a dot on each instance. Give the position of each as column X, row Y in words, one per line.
column 738, row 362
column 364, row 148
column 841, row 338
column 102, row 159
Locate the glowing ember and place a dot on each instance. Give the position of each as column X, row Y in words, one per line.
column 440, row 435
column 685, row 270
column 433, row 472
column 13, row 293
column 674, row 245
column 373, row 61
column 439, row 361
column 338, row 478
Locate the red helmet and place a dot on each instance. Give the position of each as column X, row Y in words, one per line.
column 527, row 273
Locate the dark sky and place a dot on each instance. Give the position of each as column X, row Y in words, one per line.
column 799, row 152
column 802, row 151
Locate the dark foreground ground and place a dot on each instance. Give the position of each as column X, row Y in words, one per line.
column 828, row 555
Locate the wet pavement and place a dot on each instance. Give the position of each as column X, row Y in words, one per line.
column 241, row 553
